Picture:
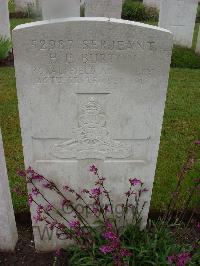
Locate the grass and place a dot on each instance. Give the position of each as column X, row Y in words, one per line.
column 11, row 6
column 181, row 127
column 11, row 130
column 17, row 21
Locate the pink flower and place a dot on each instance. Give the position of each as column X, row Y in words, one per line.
column 35, row 191
column 93, row 169
column 30, row 199
column 107, row 208
column 74, row 224
column 171, row 259
column 52, row 225
column 197, row 142
column 180, row 259
column 50, row 185
column 106, row 249
column 110, row 235
column 21, row 173
column 95, row 192
column 135, row 181
column 58, row 252
column 65, row 202
column 32, row 175
column 125, row 252
column 49, row 207
column 108, row 225
column 183, row 258
column 38, row 217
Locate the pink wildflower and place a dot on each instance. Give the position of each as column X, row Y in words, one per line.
column 30, row 199
column 95, row 192
column 35, row 191
column 21, row 173
column 50, row 185
column 125, row 252
column 58, row 252
column 135, row 181
column 180, row 259
column 32, row 175
column 74, row 224
column 197, row 142
column 49, row 207
column 110, row 235
column 106, row 249
column 93, row 169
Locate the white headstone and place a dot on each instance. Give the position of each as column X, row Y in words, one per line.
column 179, row 16
column 152, row 3
column 8, row 230
column 4, row 20
column 103, row 8
column 52, row 9
column 91, row 90
column 198, row 43
column 23, row 5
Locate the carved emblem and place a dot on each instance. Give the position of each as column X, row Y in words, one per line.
column 91, row 138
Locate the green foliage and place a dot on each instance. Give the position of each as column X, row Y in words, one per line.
column 11, row 6
column 151, row 246
column 185, row 58
column 5, row 47
column 137, row 11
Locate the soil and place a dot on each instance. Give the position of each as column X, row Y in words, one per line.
column 9, row 61
column 25, row 253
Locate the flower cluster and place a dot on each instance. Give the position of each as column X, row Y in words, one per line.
column 113, row 245
column 79, row 228
column 180, row 259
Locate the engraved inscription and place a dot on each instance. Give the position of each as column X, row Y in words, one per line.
column 92, row 138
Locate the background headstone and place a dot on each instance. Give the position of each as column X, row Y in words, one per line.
column 198, row 43
column 103, row 8
column 91, row 90
column 23, row 5
column 152, row 3
column 52, row 9
column 8, row 230
column 4, row 20
column 178, row 16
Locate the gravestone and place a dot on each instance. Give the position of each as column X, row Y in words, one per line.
column 60, row 8
column 8, row 230
column 24, row 5
column 152, row 3
column 198, row 43
column 4, row 20
column 103, row 8
column 91, row 90
column 178, row 16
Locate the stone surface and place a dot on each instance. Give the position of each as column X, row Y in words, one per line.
column 22, row 5
column 8, row 230
column 198, row 43
column 178, row 16
column 60, row 8
column 4, row 20
column 152, row 3
column 103, row 8
column 91, row 90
